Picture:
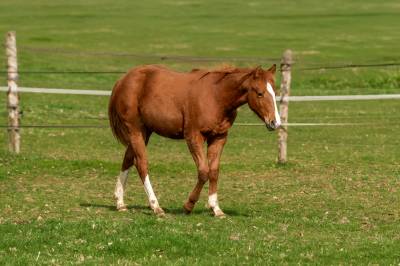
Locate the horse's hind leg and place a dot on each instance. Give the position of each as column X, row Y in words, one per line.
column 138, row 142
column 122, row 178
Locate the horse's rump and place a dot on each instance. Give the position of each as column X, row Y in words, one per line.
column 153, row 94
column 118, row 128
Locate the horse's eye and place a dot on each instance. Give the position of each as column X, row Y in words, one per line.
column 260, row 94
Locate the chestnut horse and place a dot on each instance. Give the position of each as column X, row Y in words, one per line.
column 197, row 106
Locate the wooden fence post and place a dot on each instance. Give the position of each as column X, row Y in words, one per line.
column 12, row 94
column 284, row 105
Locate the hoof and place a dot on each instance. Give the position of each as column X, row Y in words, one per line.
column 122, row 208
column 159, row 212
column 188, row 207
column 219, row 214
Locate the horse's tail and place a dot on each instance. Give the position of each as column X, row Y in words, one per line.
column 118, row 127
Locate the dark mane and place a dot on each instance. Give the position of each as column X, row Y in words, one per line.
column 222, row 72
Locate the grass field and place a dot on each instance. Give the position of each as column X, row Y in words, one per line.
column 335, row 202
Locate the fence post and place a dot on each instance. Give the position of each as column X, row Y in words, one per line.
column 12, row 94
column 286, row 63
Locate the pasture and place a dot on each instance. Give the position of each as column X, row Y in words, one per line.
column 335, row 202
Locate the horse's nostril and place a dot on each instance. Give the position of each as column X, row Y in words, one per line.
column 276, row 124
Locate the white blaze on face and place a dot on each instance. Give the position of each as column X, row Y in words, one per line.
column 150, row 193
column 270, row 90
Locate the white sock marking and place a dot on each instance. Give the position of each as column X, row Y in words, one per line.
column 150, row 193
column 277, row 116
column 120, row 187
column 213, row 202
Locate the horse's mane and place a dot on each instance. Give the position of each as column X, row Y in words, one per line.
column 222, row 72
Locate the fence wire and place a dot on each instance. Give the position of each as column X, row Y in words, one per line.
column 100, row 72
column 295, row 124
column 333, row 67
column 322, row 145
column 182, row 59
column 173, row 58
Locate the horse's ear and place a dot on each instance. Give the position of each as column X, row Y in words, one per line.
column 258, row 72
column 272, row 69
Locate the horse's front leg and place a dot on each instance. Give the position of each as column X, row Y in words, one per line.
column 214, row 151
column 195, row 143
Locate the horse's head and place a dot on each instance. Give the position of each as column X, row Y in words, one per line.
column 260, row 86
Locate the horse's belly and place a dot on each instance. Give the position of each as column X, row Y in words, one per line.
column 165, row 123
column 161, row 107
column 169, row 132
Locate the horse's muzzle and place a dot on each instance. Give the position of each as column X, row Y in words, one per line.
column 271, row 126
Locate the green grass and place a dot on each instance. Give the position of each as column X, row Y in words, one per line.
column 335, row 202
column 335, row 33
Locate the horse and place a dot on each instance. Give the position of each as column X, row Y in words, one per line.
column 198, row 106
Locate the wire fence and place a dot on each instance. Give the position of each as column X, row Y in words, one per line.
column 99, row 72
column 154, row 58
column 291, row 98
column 55, row 126
column 323, row 145
column 190, row 59
column 334, row 67
column 182, row 59
column 151, row 57
column 307, row 124
column 53, row 72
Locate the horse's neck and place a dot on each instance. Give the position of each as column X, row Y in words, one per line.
column 230, row 94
